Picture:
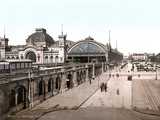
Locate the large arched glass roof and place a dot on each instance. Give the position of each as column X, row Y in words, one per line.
column 87, row 48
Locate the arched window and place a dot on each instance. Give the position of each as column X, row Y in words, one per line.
column 38, row 57
column 56, row 59
column 51, row 59
column 31, row 55
column 21, row 56
column 46, row 57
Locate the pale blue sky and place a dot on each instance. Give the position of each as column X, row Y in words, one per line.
column 135, row 24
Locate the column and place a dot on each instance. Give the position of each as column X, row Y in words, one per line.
column 102, row 67
column 63, row 81
column 87, row 77
column 52, row 85
column 16, row 101
column 32, row 93
column 75, row 77
column 93, row 74
column 44, row 90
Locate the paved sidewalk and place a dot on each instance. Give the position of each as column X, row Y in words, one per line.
column 111, row 99
column 71, row 99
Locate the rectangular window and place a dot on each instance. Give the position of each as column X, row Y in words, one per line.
column 26, row 65
column 6, row 66
column 18, row 65
column 30, row 65
column 13, row 66
column 1, row 66
column 22, row 65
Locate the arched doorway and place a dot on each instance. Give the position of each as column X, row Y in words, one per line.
column 41, row 90
column 12, row 98
column 69, row 81
column 58, row 82
column 21, row 96
column 2, row 102
column 40, row 86
column 49, row 85
column 31, row 55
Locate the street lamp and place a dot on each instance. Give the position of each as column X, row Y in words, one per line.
column 30, row 92
column 156, row 74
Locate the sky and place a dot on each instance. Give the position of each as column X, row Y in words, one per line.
column 134, row 24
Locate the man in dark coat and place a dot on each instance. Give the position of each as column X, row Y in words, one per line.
column 105, row 87
column 102, row 86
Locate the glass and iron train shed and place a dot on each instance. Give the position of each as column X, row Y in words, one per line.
column 88, row 50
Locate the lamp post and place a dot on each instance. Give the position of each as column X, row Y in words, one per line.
column 156, row 74
column 30, row 92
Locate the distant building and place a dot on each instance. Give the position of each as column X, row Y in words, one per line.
column 138, row 57
column 40, row 47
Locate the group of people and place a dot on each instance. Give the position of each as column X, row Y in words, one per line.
column 103, row 87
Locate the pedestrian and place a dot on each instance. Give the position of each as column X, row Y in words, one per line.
column 117, row 75
column 102, row 86
column 105, row 87
column 109, row 75
column 117, row 91
column 90, row 81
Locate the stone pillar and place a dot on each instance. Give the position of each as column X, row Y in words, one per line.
column 16, row 98
column 63, row 81
column 52, row 85
column 44, row 90
column 103, row 67
column 93, row 72
column 87, row 76
column 32, row 93
column 75, row 77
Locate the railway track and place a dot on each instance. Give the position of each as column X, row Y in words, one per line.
column 151, row 100
column 154, row 96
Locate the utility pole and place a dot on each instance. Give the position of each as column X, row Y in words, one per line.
column 4, row 32
column 88, row 50
column 116, row 45
column 156, row 74
column 109, row 38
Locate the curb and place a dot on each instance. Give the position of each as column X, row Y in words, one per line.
column 87, row 98
column 148, row 112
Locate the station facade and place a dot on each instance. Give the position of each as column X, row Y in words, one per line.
column 40, row 47
column 22, row 85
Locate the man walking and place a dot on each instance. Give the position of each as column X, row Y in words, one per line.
column 105, row 87
column 102, row 86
